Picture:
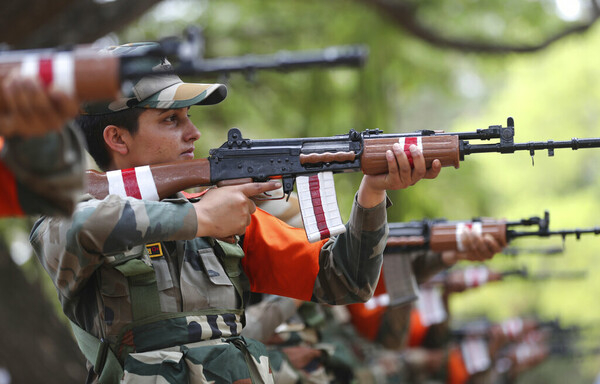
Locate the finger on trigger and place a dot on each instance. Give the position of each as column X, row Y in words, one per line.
column 253, row 189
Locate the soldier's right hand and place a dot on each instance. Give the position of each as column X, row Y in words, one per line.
column 30, row 110
column 226, row 211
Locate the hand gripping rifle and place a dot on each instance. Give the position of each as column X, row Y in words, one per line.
column 441, row 235
column 310, row 162
column 92, row 76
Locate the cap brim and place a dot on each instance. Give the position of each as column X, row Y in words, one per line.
column 182, row 95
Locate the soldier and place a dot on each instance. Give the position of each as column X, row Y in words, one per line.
column 41, row 164
column 150, row 287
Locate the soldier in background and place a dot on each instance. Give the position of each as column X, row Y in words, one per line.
column 41, row 159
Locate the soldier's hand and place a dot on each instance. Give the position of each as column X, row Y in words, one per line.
column 30, row 110
column 479, row 247
column 400, row 175
column 300, row 356
column 226, row 211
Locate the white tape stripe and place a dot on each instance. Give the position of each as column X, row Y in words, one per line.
column 419, row 143
column 475, row 276
column 431, row 306
column 460, row 228
column 115, row 183
column 512, row 327
column 64, row 73
column 475, row 355
column 330, row 205
column 382, row 300
column 306, row 209
column 30, row 66
column 333, row 219
column 146, row 183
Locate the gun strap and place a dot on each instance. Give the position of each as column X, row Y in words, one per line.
column 98, row 352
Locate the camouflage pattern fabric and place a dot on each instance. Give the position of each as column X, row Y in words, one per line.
column 100, row 257
column 264, row 317
column 48, row 170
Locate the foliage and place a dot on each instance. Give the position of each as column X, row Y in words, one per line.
column 408, row 85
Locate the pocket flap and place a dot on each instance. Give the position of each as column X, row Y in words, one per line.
column 212, row 266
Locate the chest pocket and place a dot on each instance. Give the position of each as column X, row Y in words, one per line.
column 207, row 280
column 136, row 268
column 164, row 277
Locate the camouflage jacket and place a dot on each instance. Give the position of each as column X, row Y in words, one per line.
column 99, row 259
column 48, row 171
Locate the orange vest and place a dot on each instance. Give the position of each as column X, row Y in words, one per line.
column 457, row 370
column 417, row 330
column 9, row 199
column 277, row 254
column 367, row 321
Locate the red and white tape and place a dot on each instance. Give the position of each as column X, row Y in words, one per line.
column 133, row 182
column 475, row 355
column 431, row 306
column 512, row 327
column 475, row 276
column 55, row 72
column 474, row 227
column 406, row 142
column 318, row 205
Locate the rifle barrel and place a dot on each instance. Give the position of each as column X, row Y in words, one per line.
column 531, row 146
column 563, row 233
column 351, row 55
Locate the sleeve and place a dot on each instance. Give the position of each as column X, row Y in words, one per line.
column 263, row 318
column 72, row 249
column 48, row 171
column 342, row 270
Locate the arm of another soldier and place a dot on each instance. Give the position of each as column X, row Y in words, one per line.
column 264, row 317
column 42, row 162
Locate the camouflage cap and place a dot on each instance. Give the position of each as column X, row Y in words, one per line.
column 164, row 91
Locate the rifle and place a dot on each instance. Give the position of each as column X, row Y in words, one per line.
column 312, row 161
column 69, row 69
column 459, row 280
column 516, row 251
column 443, row 235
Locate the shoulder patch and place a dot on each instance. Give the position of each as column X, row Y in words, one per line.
column 154, row 250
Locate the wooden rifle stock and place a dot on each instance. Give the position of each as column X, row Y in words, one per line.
column 86, row 75
column 444, row 235
column 444, row 148
column 169, row 178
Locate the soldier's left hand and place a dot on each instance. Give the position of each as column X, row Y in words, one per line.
column 479, row 247
column 400, row 174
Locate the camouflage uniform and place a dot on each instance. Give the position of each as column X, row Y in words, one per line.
column 100, row 260
column 47, row 172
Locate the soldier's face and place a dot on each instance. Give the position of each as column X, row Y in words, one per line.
column 164, row 135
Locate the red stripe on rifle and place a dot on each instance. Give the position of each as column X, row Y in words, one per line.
column 45, row 72
column 131, row 184
column 315, row 194
column 407, row 143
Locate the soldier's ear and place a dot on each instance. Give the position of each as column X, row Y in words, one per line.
column 116, row 140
